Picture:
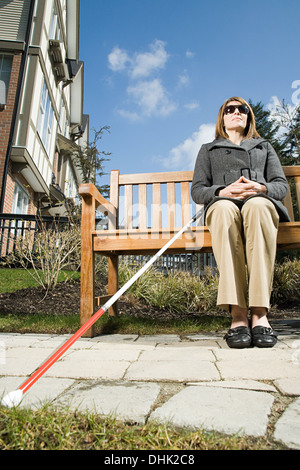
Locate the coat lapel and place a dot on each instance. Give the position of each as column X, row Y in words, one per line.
column 246, row 144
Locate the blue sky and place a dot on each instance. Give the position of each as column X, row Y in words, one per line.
column 157, row 71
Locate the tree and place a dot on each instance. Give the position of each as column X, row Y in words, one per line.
column 289, row 119
column 268, row 128
column 89, row 159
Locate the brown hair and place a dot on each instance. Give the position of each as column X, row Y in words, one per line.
column 250, row 130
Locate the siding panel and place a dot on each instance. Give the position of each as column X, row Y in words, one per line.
column 13, row 19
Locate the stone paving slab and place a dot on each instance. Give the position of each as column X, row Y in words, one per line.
column 22, row 361
column 178, row 354
column 288, row 386
column 124, row 401
column 44, row 391
column 240, row 384
column 217, row 409
column 260, row 369
column 287, row 427
column 105, row 370
column 177, row 371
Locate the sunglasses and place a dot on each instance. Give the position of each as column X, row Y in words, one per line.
column 243, row 109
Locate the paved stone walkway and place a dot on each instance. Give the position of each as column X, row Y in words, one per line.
column 192, row 381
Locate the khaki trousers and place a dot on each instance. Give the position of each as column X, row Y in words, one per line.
column 244, row 246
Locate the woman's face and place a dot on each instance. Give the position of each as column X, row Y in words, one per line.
column 236, row 121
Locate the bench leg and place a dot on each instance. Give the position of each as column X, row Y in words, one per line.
column 113, row 282
column 87, row 296
column 87, row 271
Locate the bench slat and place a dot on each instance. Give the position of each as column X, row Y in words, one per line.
column 297, row 184
column 142, row 206
column 171, row 205
column 150, row 178
column 197, row 239
column 291, row 171
column 128, row 207
column 185, row 202
column 289, row 205
column 156, row 206
column 114, row 197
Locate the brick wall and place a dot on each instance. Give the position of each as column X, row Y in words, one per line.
column 5, row 126
column 9, row 193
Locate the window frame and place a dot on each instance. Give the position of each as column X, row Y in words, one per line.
column 5, row 80
column 19, row 192
column 45, row 118
column 55, row 31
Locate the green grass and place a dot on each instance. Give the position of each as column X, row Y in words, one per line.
column 124, row 324
column 38, row 323
column 48, row 429
column 15, row 279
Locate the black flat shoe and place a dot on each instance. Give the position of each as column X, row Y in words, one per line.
column 239, row 337
column 263, row 337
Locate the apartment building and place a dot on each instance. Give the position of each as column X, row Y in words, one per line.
column 41, row 105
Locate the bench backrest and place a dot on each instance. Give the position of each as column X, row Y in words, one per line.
column 163, row 200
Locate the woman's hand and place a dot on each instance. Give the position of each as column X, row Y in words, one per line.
column 242, row 188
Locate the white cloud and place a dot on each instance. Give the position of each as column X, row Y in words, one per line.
column 183, row 79
column 146, row 63
column 118, row 59
column 191, row 106
column 151, row 97
column 139, row 65
column 184, row 155
column 189, row 54
column 129, row 115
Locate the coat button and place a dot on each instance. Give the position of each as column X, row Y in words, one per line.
column 228, row 152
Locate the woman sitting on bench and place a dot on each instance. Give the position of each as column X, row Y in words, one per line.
column 239, row 178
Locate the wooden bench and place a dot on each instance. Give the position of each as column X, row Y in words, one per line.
column 143, row 213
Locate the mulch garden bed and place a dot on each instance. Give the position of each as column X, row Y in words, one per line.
column 65, row 300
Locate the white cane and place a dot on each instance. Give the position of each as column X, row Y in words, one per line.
column 14, row 398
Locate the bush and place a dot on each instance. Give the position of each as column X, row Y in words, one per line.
column 286, row 284
column 45, row 254
column 180, row 292
column 183, row 292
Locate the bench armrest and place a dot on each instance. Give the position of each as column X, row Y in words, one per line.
column 90, row 190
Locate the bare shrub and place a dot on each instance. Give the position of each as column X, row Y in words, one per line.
column 47, row 253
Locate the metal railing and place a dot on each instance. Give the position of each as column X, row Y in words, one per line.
column 193, row 263
column 14, row 226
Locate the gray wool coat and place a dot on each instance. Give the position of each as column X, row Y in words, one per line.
column 221, row 163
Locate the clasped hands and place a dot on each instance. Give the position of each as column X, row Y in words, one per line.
column 242, row 188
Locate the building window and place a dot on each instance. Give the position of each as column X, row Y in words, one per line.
column 70, row 185
column 5, row 71
column 55, row 30
column 21, row 201
column 64, row 124
column 45, row 118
